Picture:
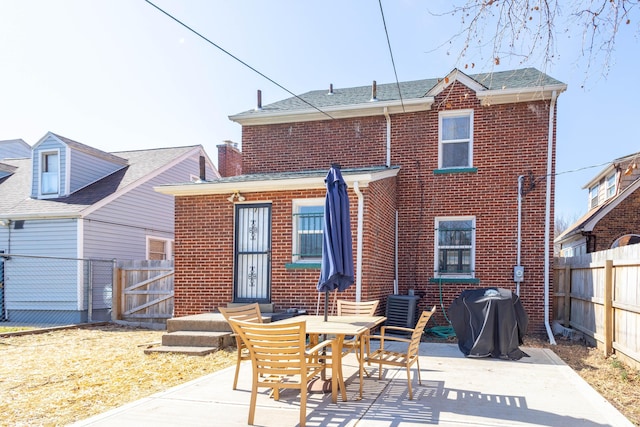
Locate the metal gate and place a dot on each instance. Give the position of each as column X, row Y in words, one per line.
column 252, row 272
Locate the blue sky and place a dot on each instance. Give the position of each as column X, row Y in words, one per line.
column 119, row 75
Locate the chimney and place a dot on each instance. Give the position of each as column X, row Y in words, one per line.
column 203, row 169
column 374, row 91
column 259, row 106
column 229, row 159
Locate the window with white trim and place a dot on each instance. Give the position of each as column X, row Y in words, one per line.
column 308, row 223
column 610, row 185
column 49, row 173
column 159, row 249
column 455, row 139
column 455, row 247
column 593, row 196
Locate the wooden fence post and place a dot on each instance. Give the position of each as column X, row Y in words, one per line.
column 608, row 307
column 567, row 296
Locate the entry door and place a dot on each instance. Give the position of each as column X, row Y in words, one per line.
column 252, row 275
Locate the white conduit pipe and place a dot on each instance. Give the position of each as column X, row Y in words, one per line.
column 547, row 219
column 356, row 189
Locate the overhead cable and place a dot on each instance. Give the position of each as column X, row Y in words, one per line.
column 237, row 59
column 391, row 53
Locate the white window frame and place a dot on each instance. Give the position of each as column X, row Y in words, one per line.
column 441, row 142
column 296, row 204
column 168, row 245
column 437, row 247
column 594, row 196
column 610, row 185
column 41, row 172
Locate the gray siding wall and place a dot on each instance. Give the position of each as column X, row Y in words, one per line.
column 16, row 149
column 86, row 169
column 42, row 283
column 119, row 230
column 49, row 144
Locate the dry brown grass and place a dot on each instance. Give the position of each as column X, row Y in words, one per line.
column 64, row 376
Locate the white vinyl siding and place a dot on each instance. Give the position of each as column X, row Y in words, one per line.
column 86, row 169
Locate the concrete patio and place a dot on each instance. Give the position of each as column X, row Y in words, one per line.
column 539, row 390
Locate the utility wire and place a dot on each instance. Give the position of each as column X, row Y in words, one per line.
column 391, row 53
column 237, row 59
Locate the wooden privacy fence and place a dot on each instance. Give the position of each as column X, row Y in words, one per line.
column 598, row 294
column 143, row 291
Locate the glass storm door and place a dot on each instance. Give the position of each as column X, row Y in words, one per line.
column 252, row 274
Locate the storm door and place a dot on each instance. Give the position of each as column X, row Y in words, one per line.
column 252, row 266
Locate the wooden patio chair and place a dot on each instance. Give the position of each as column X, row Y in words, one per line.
column 352, row 308
column 280, row 359
column 383, row 356
column 245, row 313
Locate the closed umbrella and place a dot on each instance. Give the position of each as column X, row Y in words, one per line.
column 336, row 272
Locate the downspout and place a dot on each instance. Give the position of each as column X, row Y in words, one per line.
column 360, row 226
column 519, row 238
column 547, row 218
column 386, row 115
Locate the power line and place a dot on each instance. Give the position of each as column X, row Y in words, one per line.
column 237, row 59
column 384, row 22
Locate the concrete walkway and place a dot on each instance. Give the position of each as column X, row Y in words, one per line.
column 539, row 390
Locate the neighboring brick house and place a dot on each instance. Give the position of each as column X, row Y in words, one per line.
column 442, row 165
column 612, row 219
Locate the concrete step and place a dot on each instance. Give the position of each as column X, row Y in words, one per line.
column 264, row 308
column 212, row 322
column 192, row 351
column 198, row 339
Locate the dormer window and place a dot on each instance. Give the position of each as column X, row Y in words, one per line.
column 593, row 196
column 610, row 184
column 50, row 173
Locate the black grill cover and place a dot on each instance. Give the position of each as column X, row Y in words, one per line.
column 489, row 322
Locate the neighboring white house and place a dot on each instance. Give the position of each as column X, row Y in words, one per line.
column 66, row 200
column 612, row 218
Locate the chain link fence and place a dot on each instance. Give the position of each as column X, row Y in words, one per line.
column 51, row 291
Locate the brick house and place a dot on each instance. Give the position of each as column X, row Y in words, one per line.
column 612, row 218
column 433, row 179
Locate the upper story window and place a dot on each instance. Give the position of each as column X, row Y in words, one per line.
column 455, row 148
column 610, row 185
column 455, row 247
column 308, row 220
column 593, row 196
column 50, row 173
column 159, row 249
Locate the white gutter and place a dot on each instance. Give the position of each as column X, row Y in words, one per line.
column 386, row 115
column 547, row 218
column 356, row 189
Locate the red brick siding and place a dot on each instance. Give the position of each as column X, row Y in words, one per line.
column 509, row 140
column 623, row 219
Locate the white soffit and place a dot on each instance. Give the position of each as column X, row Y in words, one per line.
column 283, row 184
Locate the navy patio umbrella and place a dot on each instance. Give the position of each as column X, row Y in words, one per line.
column 336, row 272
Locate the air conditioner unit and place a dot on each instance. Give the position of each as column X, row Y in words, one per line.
column 402, row 311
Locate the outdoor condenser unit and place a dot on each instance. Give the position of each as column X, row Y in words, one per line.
column 402, row 310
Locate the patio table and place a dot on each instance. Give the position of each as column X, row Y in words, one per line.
column 341, row 327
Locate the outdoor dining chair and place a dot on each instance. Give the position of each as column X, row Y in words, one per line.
column 384, row 356
column 280, row 359
column 353, row 308
column 246, row 313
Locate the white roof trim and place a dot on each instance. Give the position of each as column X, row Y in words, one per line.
column 508, row 96
column 453, row 76
column 372, row 108
column 593, row 221
column 284, row 184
